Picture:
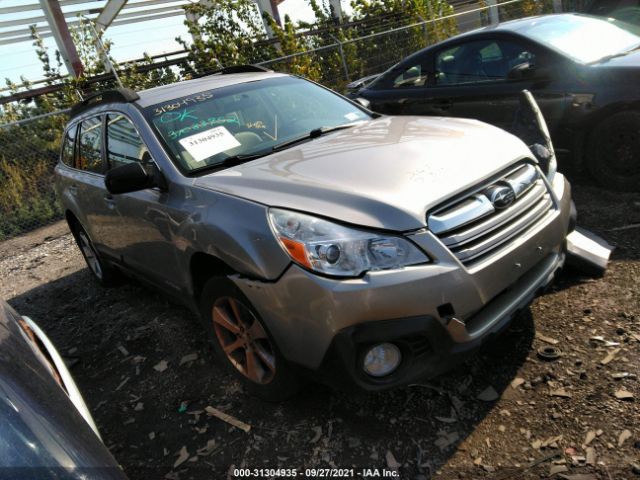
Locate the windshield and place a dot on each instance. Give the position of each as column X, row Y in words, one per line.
column 585, row 39
column 206, row 129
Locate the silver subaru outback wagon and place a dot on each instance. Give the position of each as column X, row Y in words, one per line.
column 311, row 235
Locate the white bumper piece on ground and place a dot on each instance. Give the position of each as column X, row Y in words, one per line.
column 587, row 252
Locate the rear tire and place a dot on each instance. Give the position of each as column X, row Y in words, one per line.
column 102, row 272
column 243, row 343
column 613, row 152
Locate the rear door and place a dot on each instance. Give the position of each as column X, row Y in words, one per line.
column 87, row 183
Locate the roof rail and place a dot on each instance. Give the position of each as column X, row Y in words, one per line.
column 123, row 95
column 237, row 69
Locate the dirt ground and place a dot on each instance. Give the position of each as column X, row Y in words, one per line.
column 556, row 418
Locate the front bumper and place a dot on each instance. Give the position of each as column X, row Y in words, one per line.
column 437, row 313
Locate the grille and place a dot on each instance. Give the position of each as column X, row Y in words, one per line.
column 495, row 213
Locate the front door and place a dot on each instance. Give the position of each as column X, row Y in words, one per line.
column 145, row 230
column 472, row 79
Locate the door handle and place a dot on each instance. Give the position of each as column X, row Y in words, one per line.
column 109, row 200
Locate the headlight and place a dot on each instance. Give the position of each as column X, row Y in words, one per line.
column 330, row 248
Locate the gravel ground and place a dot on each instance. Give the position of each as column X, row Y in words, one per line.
column 504, row 414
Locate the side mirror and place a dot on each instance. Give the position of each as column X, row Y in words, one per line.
column 363, row 101
column 521, row 71
column 130, row 177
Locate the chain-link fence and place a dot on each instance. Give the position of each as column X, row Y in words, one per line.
column 29, row 148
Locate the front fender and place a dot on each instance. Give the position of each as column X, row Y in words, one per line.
column 235, row 231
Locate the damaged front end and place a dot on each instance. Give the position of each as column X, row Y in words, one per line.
column 586, row 252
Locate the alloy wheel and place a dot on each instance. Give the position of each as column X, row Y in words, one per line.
column 90, row 254
column 244, row 340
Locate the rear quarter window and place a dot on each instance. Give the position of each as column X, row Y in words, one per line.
column 68, row 145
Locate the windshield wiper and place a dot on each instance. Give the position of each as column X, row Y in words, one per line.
column 606, row 58
column 233, row 160
column 315, row 133
column 238, row 159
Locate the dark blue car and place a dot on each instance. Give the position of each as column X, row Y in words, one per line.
column 583, row 71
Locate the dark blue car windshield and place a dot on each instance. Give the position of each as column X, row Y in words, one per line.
column 583, row 38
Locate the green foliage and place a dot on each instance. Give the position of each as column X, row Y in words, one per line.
column 525, row 8
column 27, row 198
column 227, row 32
column 290, row 43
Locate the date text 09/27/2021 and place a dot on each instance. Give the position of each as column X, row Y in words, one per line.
column 344, row 473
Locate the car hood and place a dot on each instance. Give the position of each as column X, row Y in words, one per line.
column 384, row 173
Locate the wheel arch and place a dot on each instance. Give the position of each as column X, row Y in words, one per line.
column 72, row 220
column 592, row 122
column 202, row 267
column 599, row 170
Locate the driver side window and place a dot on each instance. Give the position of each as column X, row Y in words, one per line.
column 124, row 145
column 480, row 61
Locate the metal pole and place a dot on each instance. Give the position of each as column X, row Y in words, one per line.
column 557, row 6
column 104, row 56
column 344, row 61
column 37, row 117
column 494, row 14
column 265, row 6
column 425, row 31
column 64, row 41
column 336, row 9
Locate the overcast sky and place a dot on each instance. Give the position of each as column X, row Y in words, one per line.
column 130, row 41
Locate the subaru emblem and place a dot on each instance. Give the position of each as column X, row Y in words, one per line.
column 500, row 196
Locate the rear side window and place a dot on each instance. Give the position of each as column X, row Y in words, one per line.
column 124, row 145
column 90, row 145
column 67, row 147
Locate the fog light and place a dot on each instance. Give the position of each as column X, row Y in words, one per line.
column 382, row 359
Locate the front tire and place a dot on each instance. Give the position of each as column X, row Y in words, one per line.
column 613, row 152
column 102, row 272
column 243, row 344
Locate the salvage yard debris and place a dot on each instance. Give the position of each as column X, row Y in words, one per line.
column 161, row 366
column 623, row 394
column 489, row 394
column 560, row 393
column 183, row 456
column 188, row 358
column 214, row 412
column 544, row 338
column 610, row 356
column 516, row 382
column 549, row 352
column 624, row 436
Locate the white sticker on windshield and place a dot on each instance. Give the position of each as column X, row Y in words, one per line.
column 352, row 116
column 206, row 144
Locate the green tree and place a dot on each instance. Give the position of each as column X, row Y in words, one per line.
column 227, row 32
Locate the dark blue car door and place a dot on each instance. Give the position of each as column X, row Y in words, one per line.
column 482, row 78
